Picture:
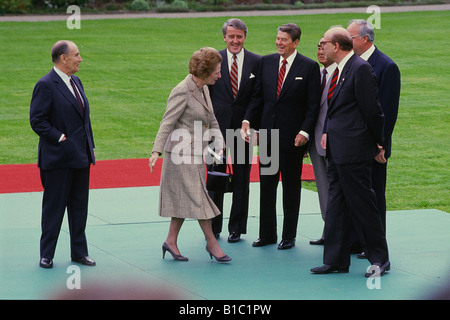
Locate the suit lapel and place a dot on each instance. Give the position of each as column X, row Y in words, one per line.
column 226, row 71
column 246, row 71
column 373, row 58
column 290, row 77
column 196, row 92
column 83, row 96
column 62, row 87
column 342, row 79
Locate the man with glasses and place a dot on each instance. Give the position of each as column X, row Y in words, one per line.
column 354, row 133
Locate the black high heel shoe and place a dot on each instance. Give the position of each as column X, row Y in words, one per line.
column 177, row 257
column 225, row 258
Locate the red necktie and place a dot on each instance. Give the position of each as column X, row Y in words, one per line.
column 234, row 77
column 281, row 74
column 77, row 95
column 333, row 84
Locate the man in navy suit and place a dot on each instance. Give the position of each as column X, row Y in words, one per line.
column 230, row 96
column 286, row 104
column 59, row 114
column 354, row 133
column 389, row 83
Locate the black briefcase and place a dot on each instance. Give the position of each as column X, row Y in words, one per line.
column 218, row 181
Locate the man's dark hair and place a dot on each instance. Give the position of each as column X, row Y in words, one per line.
column 59, row 48
column 292, row 30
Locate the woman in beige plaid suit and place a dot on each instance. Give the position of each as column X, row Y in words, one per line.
column 185, row 132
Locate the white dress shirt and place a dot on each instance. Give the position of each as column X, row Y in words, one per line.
column 240, row 63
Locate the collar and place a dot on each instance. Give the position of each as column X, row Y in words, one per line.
column 239, row 56
column 366, row 55
column 62, row 75
column 341, row 65
column 289, row 59
column 330, row 68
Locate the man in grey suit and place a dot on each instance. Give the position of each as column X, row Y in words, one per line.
column 316, row 151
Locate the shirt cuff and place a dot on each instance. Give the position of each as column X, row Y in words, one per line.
column 304, row 134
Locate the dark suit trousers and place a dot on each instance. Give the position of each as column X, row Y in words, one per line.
column 64, row 188
column 290, row 168
column 352, row 199
column 379, row 174
column 241, row 190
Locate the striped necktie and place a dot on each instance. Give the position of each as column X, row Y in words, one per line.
column 333, row 84
column 234, row 77
column 281, row 74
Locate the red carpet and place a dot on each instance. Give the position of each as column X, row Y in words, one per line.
column 105, row 174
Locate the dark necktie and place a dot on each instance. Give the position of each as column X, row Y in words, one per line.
column 324, row 79
column 333, row 84
column 77, row 95
column 281, row 74
column 234, row 77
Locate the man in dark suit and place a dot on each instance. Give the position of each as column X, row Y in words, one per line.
column 230, row 96
column 354, row 132
column 286, row 105
column 389, row 83
column 59, row 114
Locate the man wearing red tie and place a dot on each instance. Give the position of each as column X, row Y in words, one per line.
column 286, row 104
column 354, row 133
column 230, row 96
column 60, row 115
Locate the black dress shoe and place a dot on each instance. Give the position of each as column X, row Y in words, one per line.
column 234, row 237
column 329, row 269
column 378, row 269
column 286, row 244
column 46, row 263
column 262, row 242
column 320, row 241
column 86, row 260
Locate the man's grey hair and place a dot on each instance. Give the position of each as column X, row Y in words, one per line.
column 365, row 29
column 235, row 23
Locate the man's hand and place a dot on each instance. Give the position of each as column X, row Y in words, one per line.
column 245, row 131
column 323, row 141
column 300, row 140
column 380, row 157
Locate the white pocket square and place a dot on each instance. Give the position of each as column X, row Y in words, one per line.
column 298, row 78
column 251, row 75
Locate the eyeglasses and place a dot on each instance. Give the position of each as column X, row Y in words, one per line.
column 322, row 43
column 356, row 35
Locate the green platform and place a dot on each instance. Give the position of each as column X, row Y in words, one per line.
column 125, row 235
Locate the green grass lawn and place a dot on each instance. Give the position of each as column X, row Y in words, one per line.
column 130, row 66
